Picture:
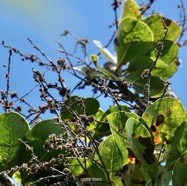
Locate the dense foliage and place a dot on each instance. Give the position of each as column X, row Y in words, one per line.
column 141, row 140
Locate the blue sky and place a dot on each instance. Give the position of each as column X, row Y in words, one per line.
column 44, row 20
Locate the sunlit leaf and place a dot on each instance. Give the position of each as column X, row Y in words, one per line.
column 111, row 157
column 94, row 58
column 133, row 39
column 156, row 25
column 141, row 143
column 117, row 122
column 169, row 52
column 163, row 70
column 114, row 109
column 103, row 128
column 89, row 72
column 130, row 9
column 105, row 52
column 17, row 177
column 93, row 125
column 163, row 117
column 78, row 166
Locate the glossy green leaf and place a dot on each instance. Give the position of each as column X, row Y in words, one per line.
column 37, row 137
column 12, row 128
column 111, row 157
column 179, row 171
column 163, row 117
column 178, row 145
column 155, row 23
column 105, row 52
column 141, row 143
column 133, row 39
column 130, row 9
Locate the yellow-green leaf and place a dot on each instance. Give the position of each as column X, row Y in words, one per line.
column 130, row 9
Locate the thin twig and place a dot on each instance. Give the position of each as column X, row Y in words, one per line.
column 160, row 45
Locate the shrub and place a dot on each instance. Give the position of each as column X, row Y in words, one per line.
column 140, row 140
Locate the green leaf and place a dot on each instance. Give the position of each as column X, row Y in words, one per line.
column 169, row 52
column 87, row 171
column 105, row 52
column 130, row 9
column 165, row 176
column 164, row 72
column 113, row 109
column 138, row 65
column 178, row 145
column 133, row 39
column 89, row 72
column 111, row 157
column 133, row 175
column 155, row 23
column 37, row 137
column 97, row 175
column 91, row 107
column 103, row 129
column 78, row 166
column 12, row 128
column 106, row 73
column 94, row 58
column 93, row 125
column 163, row 117
column 117, row 122
column 140, row 83
column 17, row 177
column 141, row 143
column 179, row 171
